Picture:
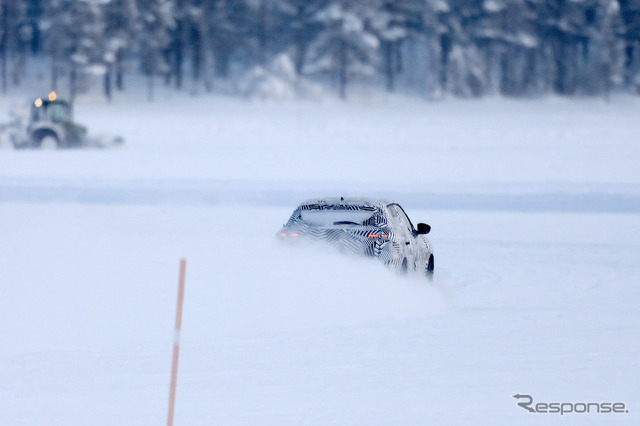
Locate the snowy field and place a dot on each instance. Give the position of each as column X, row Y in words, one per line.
column 535, row 211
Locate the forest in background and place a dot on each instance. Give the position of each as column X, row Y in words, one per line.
column 430, row 48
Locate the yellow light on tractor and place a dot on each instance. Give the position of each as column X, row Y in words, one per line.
column 38, row 103
column 52, row 96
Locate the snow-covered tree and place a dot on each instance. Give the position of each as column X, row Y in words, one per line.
column 561, row 25
column 508, row 40
column 34, row 18
column 345, row 49
column 258, row 22
column 119, row 39
column 461, row 66
column 464, row 47
column 295, row 26
column 630, row 35
column 74, row 31
column 612, row 56
column 176, row 50
column 15, row 37
column 4, row 42
column 198, row 42
column 155, row 21
column 227, row 32
column 431, row 28
column 392, row 24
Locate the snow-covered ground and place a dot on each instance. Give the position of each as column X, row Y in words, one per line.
column 535, row 210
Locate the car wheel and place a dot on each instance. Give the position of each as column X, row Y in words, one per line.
column 430, row 265
column 428, row 270
column 404, row 268
column 48, row 142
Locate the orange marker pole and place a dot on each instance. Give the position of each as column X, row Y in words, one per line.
column 176, row 343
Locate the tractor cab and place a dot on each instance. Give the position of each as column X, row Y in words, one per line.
column 51, row 109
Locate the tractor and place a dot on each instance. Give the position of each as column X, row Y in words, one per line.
column 51, row 126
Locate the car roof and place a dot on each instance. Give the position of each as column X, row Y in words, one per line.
column 361, row 201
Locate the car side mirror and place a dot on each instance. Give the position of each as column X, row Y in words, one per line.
column 423, row 228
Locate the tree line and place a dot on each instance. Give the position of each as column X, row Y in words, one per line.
column 465, row 48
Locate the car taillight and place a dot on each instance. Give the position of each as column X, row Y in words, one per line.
column 372, row 235
column 284, row 234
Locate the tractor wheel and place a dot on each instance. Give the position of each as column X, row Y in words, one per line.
column 48, row 142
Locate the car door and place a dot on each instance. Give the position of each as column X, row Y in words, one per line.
column 404, row 228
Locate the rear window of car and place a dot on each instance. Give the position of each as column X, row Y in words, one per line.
column 335, row 217
column 338, row 214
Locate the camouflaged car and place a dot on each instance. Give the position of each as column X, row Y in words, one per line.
column 370, row 227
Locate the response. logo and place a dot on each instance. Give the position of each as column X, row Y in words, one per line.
column 526, row 402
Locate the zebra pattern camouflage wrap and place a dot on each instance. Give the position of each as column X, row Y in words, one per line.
column 362, row 226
